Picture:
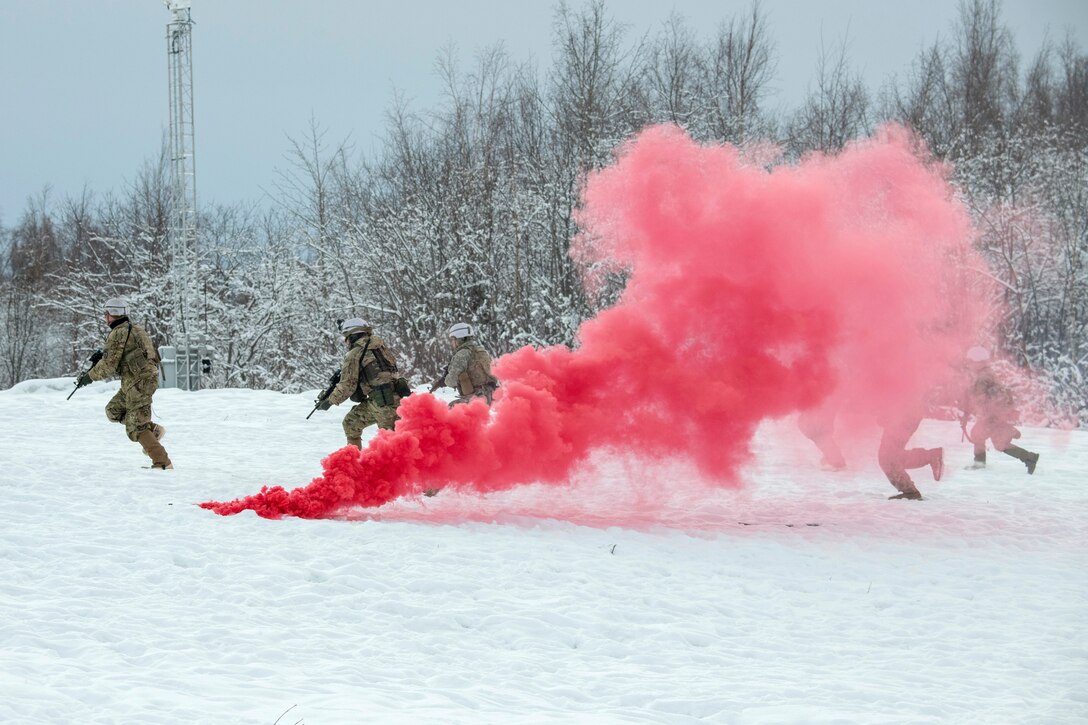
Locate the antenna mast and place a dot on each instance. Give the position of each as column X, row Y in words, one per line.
column 181, row 224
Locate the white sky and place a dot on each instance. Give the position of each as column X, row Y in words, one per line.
column 84, row 94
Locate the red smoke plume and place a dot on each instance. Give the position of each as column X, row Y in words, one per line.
column 751, row 293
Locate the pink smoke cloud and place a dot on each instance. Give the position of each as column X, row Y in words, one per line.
column 752, row 293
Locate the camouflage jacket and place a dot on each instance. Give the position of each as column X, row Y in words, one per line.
column 987, row 398
column 471, row 360
column 361, row 371
column 128, row 354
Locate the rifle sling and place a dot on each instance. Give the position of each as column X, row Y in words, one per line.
column 123, row 348
column 362, row 367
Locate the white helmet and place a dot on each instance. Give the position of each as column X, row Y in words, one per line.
column 978, row 354
column 460, row 330
column 116, row 306
column 354, row 326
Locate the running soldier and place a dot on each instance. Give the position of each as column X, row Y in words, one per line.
column 895, row 458
column 469, row 371
column 369, row 378
column 994, row 410
column 130, row 355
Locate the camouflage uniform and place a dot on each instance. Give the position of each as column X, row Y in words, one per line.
column 130, row 355
column 469, row 372
column 365, row 381
column 895, row 458
column 992, row 405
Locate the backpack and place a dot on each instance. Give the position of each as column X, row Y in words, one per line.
column 382, row 372
column 477, row 376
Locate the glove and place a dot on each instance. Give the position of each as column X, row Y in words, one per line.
column 84, row 380
column 95, row 357
column 324, row 404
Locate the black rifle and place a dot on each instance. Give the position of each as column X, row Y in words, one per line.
column 334, row 380
column 92, row 361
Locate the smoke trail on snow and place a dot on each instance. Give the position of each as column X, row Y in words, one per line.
column 751, row 293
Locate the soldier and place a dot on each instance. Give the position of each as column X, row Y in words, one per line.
column 995, row 412
column 129, row 354
column 895, row 458
column 469, row 371
column 369, row 377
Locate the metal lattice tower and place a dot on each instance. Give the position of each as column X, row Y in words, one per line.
column 179, row 54
column 181, row 226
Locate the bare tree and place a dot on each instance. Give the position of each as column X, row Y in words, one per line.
column 34, row 250
column 307, row 192
column 836, row 112
column 671, row 77
column 736, row 71
column 925, row 101
column 23, row 351
column 1071, row 94
column 983, row 69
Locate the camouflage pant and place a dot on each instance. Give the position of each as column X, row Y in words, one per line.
column 1000, row 432
column 131, row 404
column 366, row 413
column 894, row 456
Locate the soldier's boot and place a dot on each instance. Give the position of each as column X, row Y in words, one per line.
column 158, row 430
column 980, row 461
column 914, row 495
column 905, row 486
column 937, row 462
column 154, row 450
column 1027, row 457
column 1032, row 463
column 357, row 442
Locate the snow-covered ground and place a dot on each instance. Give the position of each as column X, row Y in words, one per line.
column 636, row 594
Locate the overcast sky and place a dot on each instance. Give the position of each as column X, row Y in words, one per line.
column 83, row 84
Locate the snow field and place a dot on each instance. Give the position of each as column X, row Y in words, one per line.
column 633, row 595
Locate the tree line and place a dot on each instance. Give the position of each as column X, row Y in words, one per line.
column 467, row 209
